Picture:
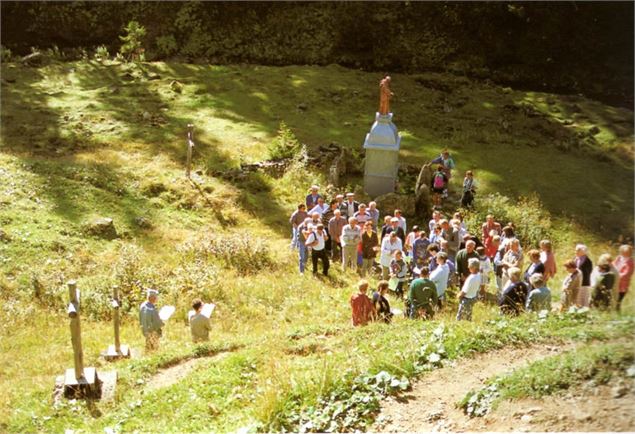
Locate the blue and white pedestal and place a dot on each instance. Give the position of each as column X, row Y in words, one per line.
column 382, row 156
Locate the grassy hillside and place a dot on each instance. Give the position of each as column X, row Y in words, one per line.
column 86, row 140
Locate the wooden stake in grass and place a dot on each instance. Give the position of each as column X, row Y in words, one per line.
column 76, row 331
column 190, row 145
column 79, row 382
column 116, row 351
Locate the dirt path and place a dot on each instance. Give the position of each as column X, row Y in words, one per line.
column 587, row 408
column 172, row 375
column 430, row 406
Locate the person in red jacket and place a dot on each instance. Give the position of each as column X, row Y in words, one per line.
column 361, row 305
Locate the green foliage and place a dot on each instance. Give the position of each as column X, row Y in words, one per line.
column 101, row 53
column 129, row 275
column 241, row 251
column 166, row 45
column 285, row 145
column 531, row 220
column 132, row 47
column 517, row 43
column 353, row 401
column 5, row 54
column 54, row 53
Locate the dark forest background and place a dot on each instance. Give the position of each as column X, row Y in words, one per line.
column 579, row 47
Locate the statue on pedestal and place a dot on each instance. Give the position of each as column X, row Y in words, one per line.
column 384, row 95
column 382, row 147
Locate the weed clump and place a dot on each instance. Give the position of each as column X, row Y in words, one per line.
column 285, row 145
column 532, row 222
column 242, row 252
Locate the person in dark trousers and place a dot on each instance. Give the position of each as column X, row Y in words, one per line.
column 603, row 288
column 317, row 241
column 584, row 264
column 469, row 188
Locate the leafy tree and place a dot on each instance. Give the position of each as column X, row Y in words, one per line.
column 132, row 48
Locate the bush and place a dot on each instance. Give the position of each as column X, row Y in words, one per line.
column 531, row 220
column 285, row 145
column 101, row 53
column 129, row 275
column 5, row 54
column 54, row 53
column 166, row 45
column 242, row 252
column 132, row 48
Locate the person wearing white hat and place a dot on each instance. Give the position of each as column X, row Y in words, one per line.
column 150, row 322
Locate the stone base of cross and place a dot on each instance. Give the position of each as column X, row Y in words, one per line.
column 87, row 386
column 111, row 353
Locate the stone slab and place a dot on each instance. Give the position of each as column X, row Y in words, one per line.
column 109, row 385
column 112, row 355
column 88, row 386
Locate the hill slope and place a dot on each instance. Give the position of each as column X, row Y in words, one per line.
column 86, row 140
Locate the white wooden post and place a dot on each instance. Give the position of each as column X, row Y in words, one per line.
column 190, row 145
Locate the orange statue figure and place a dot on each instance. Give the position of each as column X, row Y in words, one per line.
column 384, row 95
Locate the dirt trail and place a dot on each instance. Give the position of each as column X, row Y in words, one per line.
column 586, row 408
column 172, row 375
column 430, row 406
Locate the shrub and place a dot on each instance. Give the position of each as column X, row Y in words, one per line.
column 285, row 145
column 166, row 45
column 101, row 53
column 5, row 54
column 240, row 251
column 129, row 275
column 531, row 220
column 132, row 48
column 54, row 53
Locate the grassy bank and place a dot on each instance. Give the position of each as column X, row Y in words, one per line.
column 86, row 140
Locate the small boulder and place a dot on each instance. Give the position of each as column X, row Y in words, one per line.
column 303, row 107
column 143, row 222
column 176, row 86
column 526, row 418
column 102, row 227
column 594, row 130
column 584, row 417
column 619, row 391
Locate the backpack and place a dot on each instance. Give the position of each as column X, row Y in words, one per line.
column 439, row 182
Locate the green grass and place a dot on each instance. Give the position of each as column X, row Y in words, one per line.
column 75, row 145
column 552, row 375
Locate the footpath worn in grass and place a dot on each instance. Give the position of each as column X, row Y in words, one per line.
column 552, row 375
column 84, row 140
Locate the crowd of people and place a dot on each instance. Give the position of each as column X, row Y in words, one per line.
column 417, row 265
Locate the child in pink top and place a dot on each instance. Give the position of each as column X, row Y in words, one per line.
column 624, row 265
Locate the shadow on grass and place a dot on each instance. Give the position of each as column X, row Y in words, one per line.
column 530, row 154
